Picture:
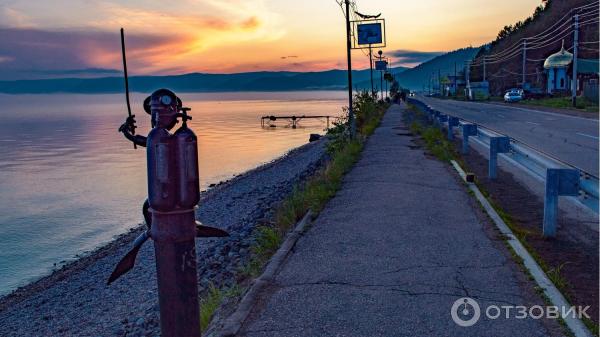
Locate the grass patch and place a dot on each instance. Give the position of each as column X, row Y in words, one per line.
column 563, row 103
column 435, row 140
column 208, row 305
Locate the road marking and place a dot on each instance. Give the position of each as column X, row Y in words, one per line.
column 586, row 135
column 501, row 115
column 533, row 123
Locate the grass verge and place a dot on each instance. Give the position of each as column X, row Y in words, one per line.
column 563, row 103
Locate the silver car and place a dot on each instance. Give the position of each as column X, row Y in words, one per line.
column 513, row 96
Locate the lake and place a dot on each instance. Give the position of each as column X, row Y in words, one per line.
column 70, row 182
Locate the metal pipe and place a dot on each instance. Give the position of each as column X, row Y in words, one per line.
column 351, row 119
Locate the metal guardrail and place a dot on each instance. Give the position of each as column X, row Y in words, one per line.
column 559, row 178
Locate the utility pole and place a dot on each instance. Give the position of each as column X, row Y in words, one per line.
column 429, row 85
column 380, row 58
column 455, row 87
column 351, row 118
column 439, row 83
column 371, row 68
column 524, row 63
column 467, row 79
column 484, row 68
column 575, row 47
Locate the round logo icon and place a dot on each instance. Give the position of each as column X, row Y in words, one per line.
column 465, row 311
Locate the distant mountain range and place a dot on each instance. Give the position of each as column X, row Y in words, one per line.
column 418, row 77
column 198, row 82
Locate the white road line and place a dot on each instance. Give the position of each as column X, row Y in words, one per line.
column 501, row 115
column 586, row 135
column 533, row 123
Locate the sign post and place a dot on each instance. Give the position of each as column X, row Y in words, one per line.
column 351, row 119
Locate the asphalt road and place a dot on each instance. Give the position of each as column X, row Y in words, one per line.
column 572, row 139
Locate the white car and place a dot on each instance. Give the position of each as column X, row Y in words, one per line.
column 513, row 96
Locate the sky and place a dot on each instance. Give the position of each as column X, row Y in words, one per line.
column 80, row 38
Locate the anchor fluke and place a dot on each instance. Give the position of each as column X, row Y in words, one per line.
column 209, row 232
column 128, row 261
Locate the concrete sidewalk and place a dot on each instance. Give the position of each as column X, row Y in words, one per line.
column 392, row 252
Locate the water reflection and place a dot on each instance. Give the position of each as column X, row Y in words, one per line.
column 69, row 181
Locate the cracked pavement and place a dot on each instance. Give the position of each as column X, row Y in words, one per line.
column 391, row 252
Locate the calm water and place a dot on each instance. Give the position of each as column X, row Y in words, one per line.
column 69, row 182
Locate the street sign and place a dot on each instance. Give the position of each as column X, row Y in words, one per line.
column 381, row 65
column 369, row 33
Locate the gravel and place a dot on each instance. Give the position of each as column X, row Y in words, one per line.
column 75, row 301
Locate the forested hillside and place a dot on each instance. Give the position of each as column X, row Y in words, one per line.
column 541, row 34
column 418, row 77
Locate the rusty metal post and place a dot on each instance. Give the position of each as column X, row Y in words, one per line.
column 174, row 236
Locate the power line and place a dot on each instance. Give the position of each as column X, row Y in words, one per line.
column 557, row 25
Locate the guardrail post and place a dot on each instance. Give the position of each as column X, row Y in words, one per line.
column 467, row 131
column 433, row 116
column 558, row 182
column 497, row 145
column 441, row 120
column 452, row 122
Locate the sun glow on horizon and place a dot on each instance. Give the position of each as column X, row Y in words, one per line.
column 224, row 36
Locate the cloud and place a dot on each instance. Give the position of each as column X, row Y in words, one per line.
column 412, row 57
column 30, row 52
column 83, row 34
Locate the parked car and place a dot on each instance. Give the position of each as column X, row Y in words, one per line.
column 513, row 96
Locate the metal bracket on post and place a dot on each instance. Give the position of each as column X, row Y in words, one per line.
column 558, row 182
column 497, row 145
column 452, row 122
column 467, row 131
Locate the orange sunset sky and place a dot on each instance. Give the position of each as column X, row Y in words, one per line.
column 222, row 36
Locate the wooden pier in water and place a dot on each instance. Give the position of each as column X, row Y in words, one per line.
column 293, row 120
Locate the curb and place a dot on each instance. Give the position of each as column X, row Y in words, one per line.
column 233, row 323
column 575, row 325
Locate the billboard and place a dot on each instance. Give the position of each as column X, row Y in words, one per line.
column 369, row 33
column 381, row 65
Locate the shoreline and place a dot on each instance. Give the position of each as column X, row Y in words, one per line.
column 122, row 241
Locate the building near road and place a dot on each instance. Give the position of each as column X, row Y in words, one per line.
column 557, row 66
column 478, row 90
column 559, row 74
column 588, row 72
